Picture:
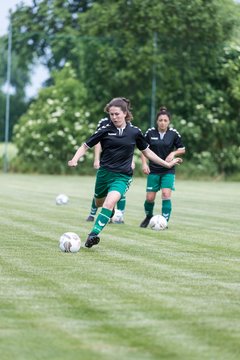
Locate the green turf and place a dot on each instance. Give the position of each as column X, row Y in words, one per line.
column 138, row 295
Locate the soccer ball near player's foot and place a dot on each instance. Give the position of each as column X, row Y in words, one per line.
column 158, row 222
column 70, row 242
column 117, row 217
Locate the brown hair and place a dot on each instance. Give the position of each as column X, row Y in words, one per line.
column 163, row 111
column 123, row 103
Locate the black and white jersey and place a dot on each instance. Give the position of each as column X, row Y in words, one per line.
column 163, row 147
column 118, row 146
column 103, row 122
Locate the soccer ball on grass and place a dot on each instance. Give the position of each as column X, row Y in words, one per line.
column 158, row 222
column 62, row 199
column 70, row 242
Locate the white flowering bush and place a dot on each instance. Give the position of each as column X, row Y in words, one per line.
column 211, row 136
column 55, row 125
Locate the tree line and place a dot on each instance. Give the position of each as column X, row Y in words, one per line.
column 183, row 55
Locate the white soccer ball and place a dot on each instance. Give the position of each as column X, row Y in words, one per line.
column 62, row 199
column 158, row 222
column 70, row 242
column 117, row 217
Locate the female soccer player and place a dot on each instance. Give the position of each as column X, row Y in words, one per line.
column 166, row 143
column 118, row 140
column 121, row 204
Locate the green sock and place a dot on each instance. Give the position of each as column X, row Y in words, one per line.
column 121, row 204
column 166, row 209
column 93, row 208
column 102, row 220
column 148, row 207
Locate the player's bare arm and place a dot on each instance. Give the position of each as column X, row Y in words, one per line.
column 97, row 153
column 153, row 157
column 79, row 153
column 145, row 167
column 177, row 152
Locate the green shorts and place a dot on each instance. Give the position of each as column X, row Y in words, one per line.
column 155, row 182
column 107, row 181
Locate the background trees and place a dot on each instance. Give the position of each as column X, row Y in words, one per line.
column 50, row 131
column 20, row 78
column 121, row 48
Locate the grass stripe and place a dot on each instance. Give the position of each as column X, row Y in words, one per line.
column 139, row 294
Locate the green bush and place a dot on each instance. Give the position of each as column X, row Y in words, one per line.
column 55, row 125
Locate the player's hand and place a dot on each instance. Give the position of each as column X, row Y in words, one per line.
column 175, row 161
column 96, row 164
column 72, row 163
column 146, row 169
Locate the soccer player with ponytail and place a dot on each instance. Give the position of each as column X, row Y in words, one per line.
column 166, row 143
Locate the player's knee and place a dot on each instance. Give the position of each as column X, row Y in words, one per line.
column 166, row 195
column 151, row 198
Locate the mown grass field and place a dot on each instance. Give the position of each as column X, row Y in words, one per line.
column 138, row 295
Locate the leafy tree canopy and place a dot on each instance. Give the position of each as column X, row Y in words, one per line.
column 123, row 48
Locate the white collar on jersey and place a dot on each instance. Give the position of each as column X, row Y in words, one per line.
column 162, row 134
column 121, row 130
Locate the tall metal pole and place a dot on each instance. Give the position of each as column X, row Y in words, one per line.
column 154, row 81
column 5, row 163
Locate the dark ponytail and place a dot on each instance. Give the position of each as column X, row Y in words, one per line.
column 163, row 111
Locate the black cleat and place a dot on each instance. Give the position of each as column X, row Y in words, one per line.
column 90, row 218
column 145, row 222
column 93, row 239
